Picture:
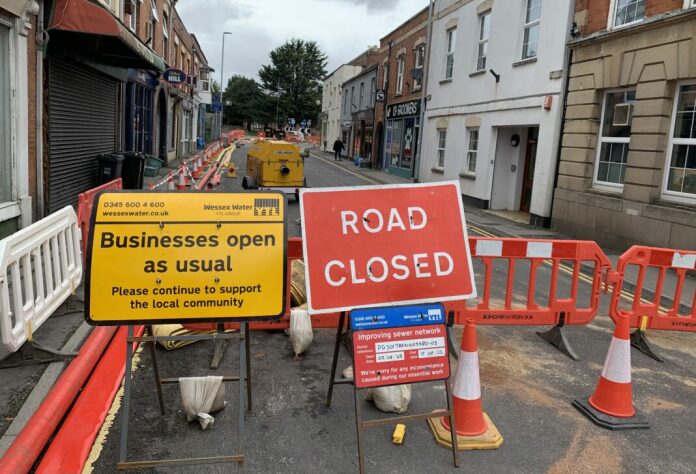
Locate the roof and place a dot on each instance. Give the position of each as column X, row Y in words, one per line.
column 364, row 72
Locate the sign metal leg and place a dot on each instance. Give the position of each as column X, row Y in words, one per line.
column 359, row 428
column 334, row 362
column 453, row 426
column 247, row 347
column 155, row 368
column 244, row 329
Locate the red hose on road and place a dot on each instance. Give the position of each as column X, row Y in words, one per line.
column 23, row 452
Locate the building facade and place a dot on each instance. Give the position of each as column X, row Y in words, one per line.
column 401, row 77
column 628, row 167
column 18, row 114
column 330, row 118
column 495, row 86
column 358, row 113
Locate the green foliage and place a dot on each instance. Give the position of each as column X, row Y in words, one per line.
column 293, row 80
column 246, row 101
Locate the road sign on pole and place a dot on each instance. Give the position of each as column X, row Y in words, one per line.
column 216, row 103
column 385, row 245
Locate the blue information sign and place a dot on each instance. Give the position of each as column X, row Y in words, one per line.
column 216, row 103
column 397, row 316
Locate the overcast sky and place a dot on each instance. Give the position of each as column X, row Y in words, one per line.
column 342, row 28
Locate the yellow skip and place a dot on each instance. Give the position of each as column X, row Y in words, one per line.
column 399, row 433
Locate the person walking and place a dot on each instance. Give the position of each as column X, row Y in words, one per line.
column 338, row 148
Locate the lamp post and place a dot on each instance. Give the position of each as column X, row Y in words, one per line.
column 222, row 87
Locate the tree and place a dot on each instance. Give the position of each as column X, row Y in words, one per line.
column 294, row 78
column 245, row 99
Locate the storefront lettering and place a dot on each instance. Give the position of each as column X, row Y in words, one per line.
column 404, row 109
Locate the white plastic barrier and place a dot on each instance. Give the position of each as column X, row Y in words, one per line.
column 40, row 267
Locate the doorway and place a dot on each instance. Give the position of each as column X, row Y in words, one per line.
column 529, row 165
column 162, row 124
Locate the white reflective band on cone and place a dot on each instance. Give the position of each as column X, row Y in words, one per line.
column 617, row 365
column 467, row 385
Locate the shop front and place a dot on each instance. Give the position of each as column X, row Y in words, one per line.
column 363, row 130
column 139, row 112
column 401, row 145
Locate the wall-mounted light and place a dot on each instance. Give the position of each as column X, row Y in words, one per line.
column 515, row 140
column 497, row 76
column 574, row 30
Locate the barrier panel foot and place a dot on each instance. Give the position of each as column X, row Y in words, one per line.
column 32, row 353
column 557, row 338
column 640, row 341
column 636, row 422
column 489, row 439
column 72, row 305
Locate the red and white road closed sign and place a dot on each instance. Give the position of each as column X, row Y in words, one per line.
column 383, row 245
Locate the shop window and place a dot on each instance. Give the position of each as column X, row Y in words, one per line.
column 449, row 61
column 472, row 151
column 680, row 176
column 399, row 74
column 627, row 12
column 614, row 137
column 5, row 118
column 484, row 29
column 532, row 18
column 441, row 144
column 418, row 62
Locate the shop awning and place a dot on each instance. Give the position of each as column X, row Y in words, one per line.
column 111, row 42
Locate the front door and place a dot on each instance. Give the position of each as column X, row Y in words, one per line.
column 529, row 164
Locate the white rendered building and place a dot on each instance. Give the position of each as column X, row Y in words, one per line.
column 495, row 101
column 331, row 103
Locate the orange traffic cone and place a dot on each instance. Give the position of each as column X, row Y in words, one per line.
column 196, row 172
column 170, row 183
column 181, row 184
column 200, row 163
column 473, row 427
column 611, row 404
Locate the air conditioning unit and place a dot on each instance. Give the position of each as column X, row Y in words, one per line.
column 623, row 113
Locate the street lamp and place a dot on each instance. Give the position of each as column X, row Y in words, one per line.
column 222, row 71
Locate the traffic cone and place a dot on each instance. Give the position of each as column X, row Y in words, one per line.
column 181, row 184
column 196, row 172
column 473, row 427
column 611, row 404
column 170, row 183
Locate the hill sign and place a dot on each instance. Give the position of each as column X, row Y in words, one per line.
column 385, row 245
column 174, row 76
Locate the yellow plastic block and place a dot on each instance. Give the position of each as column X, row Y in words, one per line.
column 399, row 433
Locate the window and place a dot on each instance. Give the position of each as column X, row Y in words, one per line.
column 135, row 13
column 615, row 134
column 441, row 142
column 399, row 74
column 5, row 123
column 449, row 63
column 385, row 75
column 165, row 37
column 352, row 102
column 472, row 151
column 418, row 62
column 531, row 29
column 362, row 93
column 628, row 11
column 345, row 103
column 680, row 178
column 484, row 28
column 372, row 92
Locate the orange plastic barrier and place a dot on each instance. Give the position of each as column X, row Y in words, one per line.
column 579, row 259
column 648, row 313
column 329, row 320
column 85, row 201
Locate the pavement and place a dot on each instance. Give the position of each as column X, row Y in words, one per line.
column 527, row 389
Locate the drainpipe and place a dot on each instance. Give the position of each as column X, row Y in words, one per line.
column 40, row 42
column 387, row 70
column 564, row 95
column 424, row 97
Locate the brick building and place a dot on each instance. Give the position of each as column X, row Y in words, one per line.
column 627, row 166
column 401, row 69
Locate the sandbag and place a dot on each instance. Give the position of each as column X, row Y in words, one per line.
column 395, row 398
column 201, row 396
column 298, row 287
column 300, row 331
column 348, row 372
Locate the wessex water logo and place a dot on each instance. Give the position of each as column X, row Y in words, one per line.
column 267, row 207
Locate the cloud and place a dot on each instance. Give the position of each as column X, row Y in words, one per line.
column 342, row 28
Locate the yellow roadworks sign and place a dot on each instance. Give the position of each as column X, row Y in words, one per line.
column 182, row 257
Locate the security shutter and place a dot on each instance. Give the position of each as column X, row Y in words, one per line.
column 82, row 123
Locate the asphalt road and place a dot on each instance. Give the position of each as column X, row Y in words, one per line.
column 527, row 389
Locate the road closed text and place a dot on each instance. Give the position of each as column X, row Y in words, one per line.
column 378, row 268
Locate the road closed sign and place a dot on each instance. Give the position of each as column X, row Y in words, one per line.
column 179, row 257
column 385, row 245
